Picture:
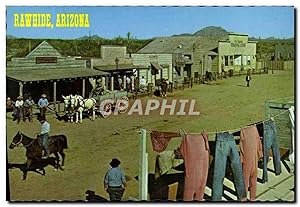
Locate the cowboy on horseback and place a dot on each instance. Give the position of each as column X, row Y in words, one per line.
column 44, row 134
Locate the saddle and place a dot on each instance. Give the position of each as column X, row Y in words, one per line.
column 51, row 140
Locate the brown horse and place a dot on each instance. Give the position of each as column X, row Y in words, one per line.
column 56, row 143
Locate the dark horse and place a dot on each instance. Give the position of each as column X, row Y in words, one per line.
column 57, row 144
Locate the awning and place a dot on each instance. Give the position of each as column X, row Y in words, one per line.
column 27, row 75
column 121, row 67
column 212, row 53
column 156, row 66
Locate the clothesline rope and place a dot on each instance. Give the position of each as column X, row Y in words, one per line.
column 238, row 129
column 182, row 131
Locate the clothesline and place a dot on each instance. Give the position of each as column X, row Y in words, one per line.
column 182, row 131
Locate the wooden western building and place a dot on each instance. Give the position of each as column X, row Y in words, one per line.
column 45, row 70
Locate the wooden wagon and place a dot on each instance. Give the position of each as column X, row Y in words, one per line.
column 106, row 103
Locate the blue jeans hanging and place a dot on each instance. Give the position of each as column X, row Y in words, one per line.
column 225, row 146
column 270, row 142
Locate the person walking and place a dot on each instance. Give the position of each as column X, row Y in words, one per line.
column 43, row 104
column 248, row 79
column 114, row 181
column 44, row 134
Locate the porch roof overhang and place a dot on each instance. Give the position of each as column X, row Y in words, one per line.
column 31, row 75
column 117, row 68
column 156, row 66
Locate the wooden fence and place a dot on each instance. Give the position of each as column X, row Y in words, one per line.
column 275, row 65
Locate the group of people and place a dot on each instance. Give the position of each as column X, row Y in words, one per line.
column 23, row 109
column 139, row 85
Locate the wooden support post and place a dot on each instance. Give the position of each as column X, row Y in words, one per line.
column 58, row 108
column 143, row 167
column 20, row 89
column 54, row 95
column 112, row 83
column 124, row 82
column 106, row 82
column 132, row 82
column 83, row 87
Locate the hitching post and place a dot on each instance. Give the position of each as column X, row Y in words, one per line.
column 143, row 167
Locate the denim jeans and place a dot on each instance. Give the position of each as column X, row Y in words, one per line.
column 270, row 142
column 44, row 140
column 226, row 146
column 115, row 193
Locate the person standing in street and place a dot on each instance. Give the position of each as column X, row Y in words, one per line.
column 248, row 79
column 43, row 104
column 114, row 181
column 19, row 108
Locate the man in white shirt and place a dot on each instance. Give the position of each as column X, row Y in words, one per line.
column 19, row 108
column 44, row 134
column 143, row 83
column 128, row 83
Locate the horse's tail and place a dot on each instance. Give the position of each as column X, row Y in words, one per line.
column 65, row 142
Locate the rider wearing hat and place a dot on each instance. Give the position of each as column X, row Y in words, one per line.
column 43, row 104
column 114, row 181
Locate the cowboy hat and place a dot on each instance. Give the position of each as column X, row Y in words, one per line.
column 20, row 97
column 43, row 95
column 115, row 162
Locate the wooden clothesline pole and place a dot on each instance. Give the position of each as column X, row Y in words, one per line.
column 143, row 166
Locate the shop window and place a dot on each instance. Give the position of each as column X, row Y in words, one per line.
column 248, row 60
column 237, row 59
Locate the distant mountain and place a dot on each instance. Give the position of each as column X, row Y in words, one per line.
column 211, row 31
column 207, row 31
column 10, row 37
column 271, row 38
column 94, row 37
column 183, row 34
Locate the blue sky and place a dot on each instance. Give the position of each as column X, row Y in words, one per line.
column 148, row 22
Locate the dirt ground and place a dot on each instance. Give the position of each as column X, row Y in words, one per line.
column 227, row 104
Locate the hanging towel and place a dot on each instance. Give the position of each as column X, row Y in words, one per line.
column 165, row 161
column 160, row 140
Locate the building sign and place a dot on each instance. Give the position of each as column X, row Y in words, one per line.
column 238, row 43
column 39, row 60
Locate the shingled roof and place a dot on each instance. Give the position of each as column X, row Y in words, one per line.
column 44, row 49
column 50, row 74
column 181, row 44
